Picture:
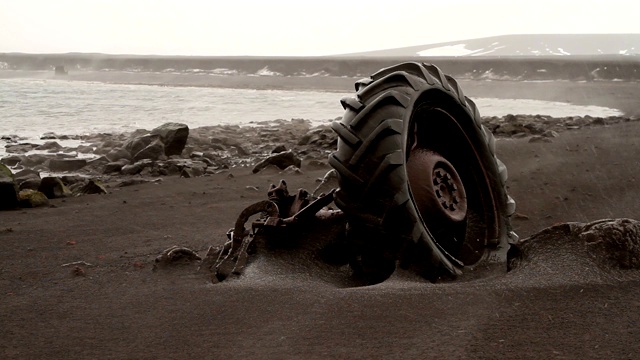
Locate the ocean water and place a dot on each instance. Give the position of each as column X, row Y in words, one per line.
column 31, row 107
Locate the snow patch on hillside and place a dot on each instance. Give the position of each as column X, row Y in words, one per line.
column 451, row 50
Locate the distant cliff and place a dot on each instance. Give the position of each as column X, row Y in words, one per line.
column 576, row 68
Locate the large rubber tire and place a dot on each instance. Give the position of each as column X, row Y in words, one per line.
column 405, row 124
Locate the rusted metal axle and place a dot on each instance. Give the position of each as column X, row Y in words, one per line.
column 282, row 211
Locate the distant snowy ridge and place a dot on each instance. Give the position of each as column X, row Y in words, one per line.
column 524, row 45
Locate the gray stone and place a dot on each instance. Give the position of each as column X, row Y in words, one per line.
column 282, row 161
column 136, row 144
column 29, row 198
column 49, row 145
column 115, row 166
column 136, row 168
column 8, row 189
column 117, row 154
column 35, row 159
column 11, row 160
column 30, row 183
column 53, row 188
column 19, row 148
column 278, row 149
column 153, row 151
column 614, row 242
column 93, row 187
column 174, row 136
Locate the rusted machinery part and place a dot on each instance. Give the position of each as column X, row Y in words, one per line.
column 266, row 206
column 233, row 256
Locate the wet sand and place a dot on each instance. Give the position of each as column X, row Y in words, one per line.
column 564, row 306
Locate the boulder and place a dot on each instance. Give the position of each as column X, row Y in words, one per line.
column 99, row 161
column 62, row 165
column 135, row 145
column 49, row 136
column 53, row 188
column 26, row 173
column 115, row 166
column 35, row 159
column 278, row 149
column 93, row 187
column 153, row 151
column 85, row 149
column 30, row 183
column 191, row 172
column 282, row 160
column 49, row 145
column 8, row 193
column 174, row 136
column 135, row 168
column 117, row 154
column 29, row 198
column 20, row 148
column 11, row 160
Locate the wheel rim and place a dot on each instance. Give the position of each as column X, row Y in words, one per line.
column 449, row 185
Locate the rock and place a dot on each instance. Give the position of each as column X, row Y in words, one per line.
column 278, row 149
column 282, row 161
column 292, row 170
column 114, row 166
column 511, row 129
column 174, row 136
column 135, row 145
column 29, row 198
column 136, row 168
column 20, row 148
column 99, row 161
column 614, row 242
column 550, row 134
column 49, row 136
column 49, row 145
column 191, row 172
column 31, row 183
column 153, row 151
column 11, row 160
column 241, row 151
column 93, row 187
column 72, row 179
column 35, row 159
column 53, row 188
column 118, row 154
column 8, row 193
column 26, row 173
column 63, row 165
column 85, row 149
column 539, row 139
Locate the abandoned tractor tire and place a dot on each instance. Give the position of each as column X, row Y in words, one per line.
column 419, row 180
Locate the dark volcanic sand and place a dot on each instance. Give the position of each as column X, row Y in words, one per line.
column 560, row 307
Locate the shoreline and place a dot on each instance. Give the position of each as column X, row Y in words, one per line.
column 619, row 95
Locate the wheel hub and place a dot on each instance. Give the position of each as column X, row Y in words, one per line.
column 437, row 188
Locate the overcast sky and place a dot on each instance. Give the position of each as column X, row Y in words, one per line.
column 290, row 28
